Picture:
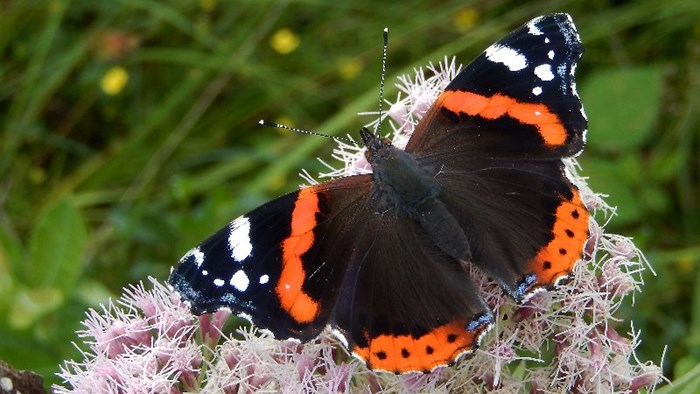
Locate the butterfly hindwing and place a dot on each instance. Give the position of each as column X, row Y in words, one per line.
column 405, row 305
column 527, row 224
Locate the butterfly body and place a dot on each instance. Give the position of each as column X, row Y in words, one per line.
column 381, row 257
column 399, row 182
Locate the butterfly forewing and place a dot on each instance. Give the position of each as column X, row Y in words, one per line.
column 281, row 264
column 519, row 96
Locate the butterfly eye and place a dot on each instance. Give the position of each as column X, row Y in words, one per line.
column 368, row 155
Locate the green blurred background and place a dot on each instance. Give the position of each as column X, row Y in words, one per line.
column 129, row 133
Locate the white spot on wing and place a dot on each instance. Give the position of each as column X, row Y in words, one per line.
column 264, row 279
column 537, row 90
column 544, row 72
column 240, row 281
column 509, row 57
column 218, row 282
column 239, row 239
column 573, row 80
column 532, row 27
column 550, row 55
column 205, row 272
column 197, row 254
column 546, row 40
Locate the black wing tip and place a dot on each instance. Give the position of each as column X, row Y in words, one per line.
column 182, row 286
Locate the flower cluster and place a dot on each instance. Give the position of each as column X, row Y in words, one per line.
column 565, row 340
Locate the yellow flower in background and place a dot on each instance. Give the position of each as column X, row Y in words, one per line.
column 350, row 68
column 284, row 41
column 114, row 80
column 465, row 19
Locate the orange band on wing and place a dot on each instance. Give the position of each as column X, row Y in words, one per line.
column 557, row 258
column 292, row 298
column 405, row 353
column 547, row 123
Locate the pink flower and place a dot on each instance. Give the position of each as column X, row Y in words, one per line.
column 566, row 340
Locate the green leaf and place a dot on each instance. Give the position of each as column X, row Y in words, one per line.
column 56, row 247
column 622, row 105
column 609, row 177
column 687, row 383
column 93, row 293
column 655, row 199
column 29, row 305
column 665, row 166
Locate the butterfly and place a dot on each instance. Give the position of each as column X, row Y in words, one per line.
column 381, row 258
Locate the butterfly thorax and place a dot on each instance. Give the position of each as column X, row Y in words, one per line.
column 400, row 183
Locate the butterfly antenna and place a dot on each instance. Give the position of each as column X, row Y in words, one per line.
column 383, row 76
column 302, row 131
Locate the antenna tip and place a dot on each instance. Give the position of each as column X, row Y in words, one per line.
column 386, row 30
column 261, row 122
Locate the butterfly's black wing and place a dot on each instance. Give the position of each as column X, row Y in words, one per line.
column 280, row 265
column 323, row 254
column 496, row 138
column 515, row 101
column 405, row 305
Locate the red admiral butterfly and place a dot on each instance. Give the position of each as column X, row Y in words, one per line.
column 381, row 257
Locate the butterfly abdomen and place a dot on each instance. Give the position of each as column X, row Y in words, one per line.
column 443, row 229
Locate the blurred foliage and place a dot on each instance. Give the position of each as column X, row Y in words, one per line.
column 129, row 133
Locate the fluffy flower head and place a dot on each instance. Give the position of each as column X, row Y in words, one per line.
column 558, row 341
